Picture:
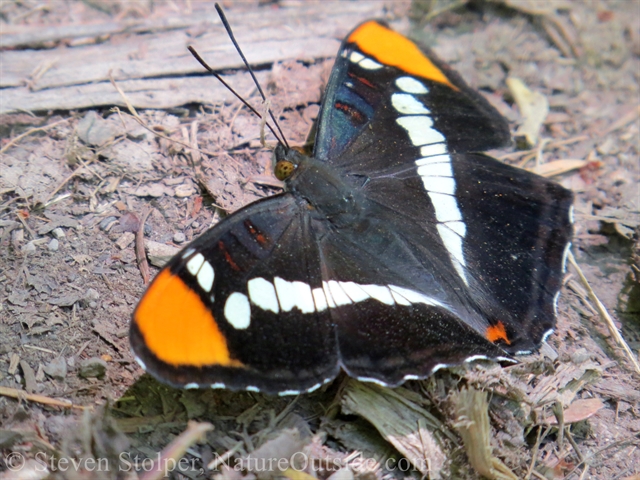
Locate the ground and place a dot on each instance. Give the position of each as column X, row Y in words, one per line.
column 75, row 189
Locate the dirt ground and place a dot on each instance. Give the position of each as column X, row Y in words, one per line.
column 74, row 190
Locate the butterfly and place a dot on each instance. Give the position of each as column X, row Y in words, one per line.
column 397, row 247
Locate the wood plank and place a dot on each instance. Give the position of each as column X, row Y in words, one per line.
column 158, row 93
column 154, row 54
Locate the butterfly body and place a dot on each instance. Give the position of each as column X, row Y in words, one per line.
column 396, row 249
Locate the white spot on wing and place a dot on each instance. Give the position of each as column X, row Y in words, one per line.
column 294, row 294
column 419, row 129
column 473, row 358
column 319, row 299
column 571, row 215
column 459, row 227
column 411, row 85
column 304, row 297
column 436, row 169
column 439, row 366
column 193, row 265
column 237, row 310
column 434, row 160
column 565, row 256
column 413, row 296
column 356, row 57
column 188, row 252
column 445, row 185
column 354, row 291
column 372, row 380
column 369, row 64
column 206, row 276
column 446, row 207
column 285, row 393
column 263, row 294
column 141, row 363
column 339, row 296
column 380, row 293
column 435, row 149
column 191, row 386
column 408, row 104
column 399, row 299
column 453, row 244
column 316, row 386
column 327, row 294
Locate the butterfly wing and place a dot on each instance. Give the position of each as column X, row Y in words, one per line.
column 372, row 60
column 221, row 315
column 480, row 245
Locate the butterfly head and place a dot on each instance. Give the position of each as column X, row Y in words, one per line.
column 286, row 161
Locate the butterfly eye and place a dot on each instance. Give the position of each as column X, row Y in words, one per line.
column 284, row 169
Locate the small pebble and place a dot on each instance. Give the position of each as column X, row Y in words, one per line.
column 53, row 245
column 126, row 239
column 17, row 238
column 107, row 223
column 93, row 305
column 179, row 237
column 58, row 233
column 92, row 367
column 580, row 356
column 56, row 368
column 29, row 248
column 92, row 295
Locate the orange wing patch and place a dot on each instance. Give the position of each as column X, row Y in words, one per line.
column 391, row 48
column 178, row 328
column 497, row 332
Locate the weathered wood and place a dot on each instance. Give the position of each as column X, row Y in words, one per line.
column 158, row 93
column 152, row 60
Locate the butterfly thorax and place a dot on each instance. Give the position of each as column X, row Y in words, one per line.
column 324, row 188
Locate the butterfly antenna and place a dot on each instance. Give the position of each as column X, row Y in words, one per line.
column 255, row 80
column 197, row 56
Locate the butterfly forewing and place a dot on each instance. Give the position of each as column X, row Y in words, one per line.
column 380, row 73
column 236, row 307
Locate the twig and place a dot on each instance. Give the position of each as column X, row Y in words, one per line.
column 447, row 8
column 172, row 453
column 216, row 462
column 604, row 314
column 628, row 118
column 29, row 132
column 138, row 119
column 66, row 180
column 555, row 144
column 32, row 397
column 141, row 256
column 574, row 445
column 536, row 448
column 26, row 226
column 632, row 441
